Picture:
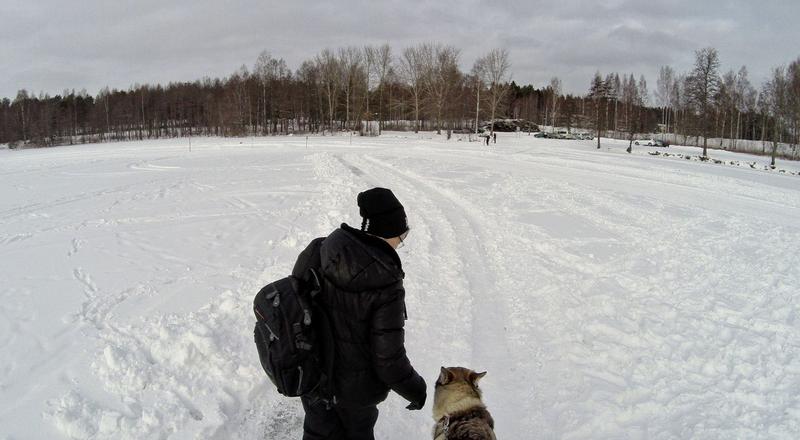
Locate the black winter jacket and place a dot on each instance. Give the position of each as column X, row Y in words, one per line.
column 364, row 296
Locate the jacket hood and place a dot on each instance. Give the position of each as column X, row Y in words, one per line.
column 356, row 261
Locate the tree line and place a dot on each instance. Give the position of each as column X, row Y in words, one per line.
column 709, row 104
column 422, row 87
column 352, row 88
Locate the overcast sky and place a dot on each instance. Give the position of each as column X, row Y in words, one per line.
column 52, row 45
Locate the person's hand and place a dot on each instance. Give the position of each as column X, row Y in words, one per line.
column 414, row 390
column 414, row 406
column 419, row 402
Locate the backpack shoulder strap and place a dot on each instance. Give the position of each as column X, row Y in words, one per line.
column 308, row 259
column 314, row 281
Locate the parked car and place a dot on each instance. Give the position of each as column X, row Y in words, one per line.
column 540, row 134
column 645, row 142
column 660, row 143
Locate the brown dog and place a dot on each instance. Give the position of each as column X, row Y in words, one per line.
column 458, row 409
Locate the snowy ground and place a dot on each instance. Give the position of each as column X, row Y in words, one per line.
column 607, row 295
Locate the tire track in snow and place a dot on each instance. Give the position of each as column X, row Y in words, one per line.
column 8, row 239
column 445, row 291
column 438, row 275
column 608, row 313
column 31, row 208
column 669, row 184
column 478, row 264
column 483, row 266
column 583, row 294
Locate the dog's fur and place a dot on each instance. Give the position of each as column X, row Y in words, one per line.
column 458, row 409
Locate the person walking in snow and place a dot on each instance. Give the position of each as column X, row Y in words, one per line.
column 494, row 137
column 364, row 296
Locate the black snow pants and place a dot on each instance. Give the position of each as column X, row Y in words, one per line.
column 338, row 423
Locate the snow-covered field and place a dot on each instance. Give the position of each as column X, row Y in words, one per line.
column 609, row 296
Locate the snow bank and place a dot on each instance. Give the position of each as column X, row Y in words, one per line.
column 191, row 375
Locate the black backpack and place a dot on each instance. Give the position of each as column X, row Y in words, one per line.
column 293, row 337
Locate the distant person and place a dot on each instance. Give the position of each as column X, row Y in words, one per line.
column 486, row 138
column 364, row 296
column 494, row 137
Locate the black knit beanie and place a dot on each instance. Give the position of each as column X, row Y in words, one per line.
column 382, row 213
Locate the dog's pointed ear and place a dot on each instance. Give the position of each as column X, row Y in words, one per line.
column 475, row 377
column 445, row 376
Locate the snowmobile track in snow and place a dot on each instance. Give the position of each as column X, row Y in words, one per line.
column 481, row 264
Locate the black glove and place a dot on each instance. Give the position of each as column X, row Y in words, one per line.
column 414, row 390
column 414, row 406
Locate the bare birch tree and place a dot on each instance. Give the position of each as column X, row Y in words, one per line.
column 378, row 61
column 370, row 71
column 555, row 91
column 21, row 103
column 677, row 101
column 726, row 101
column 412, row 71
column 793, row 90
column 745, row 102
column 476, row 79
column 642, row 100
column 630, row 97
column 383, row 59
column 598, row 91
column 271, row 74
column 664, row 86
column 441, row 72
column 495, row 68
column 702, row 86
column 351, row 62
column 330, row 79
column 776, row 105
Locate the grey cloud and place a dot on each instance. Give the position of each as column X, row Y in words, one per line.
column 51, row 44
